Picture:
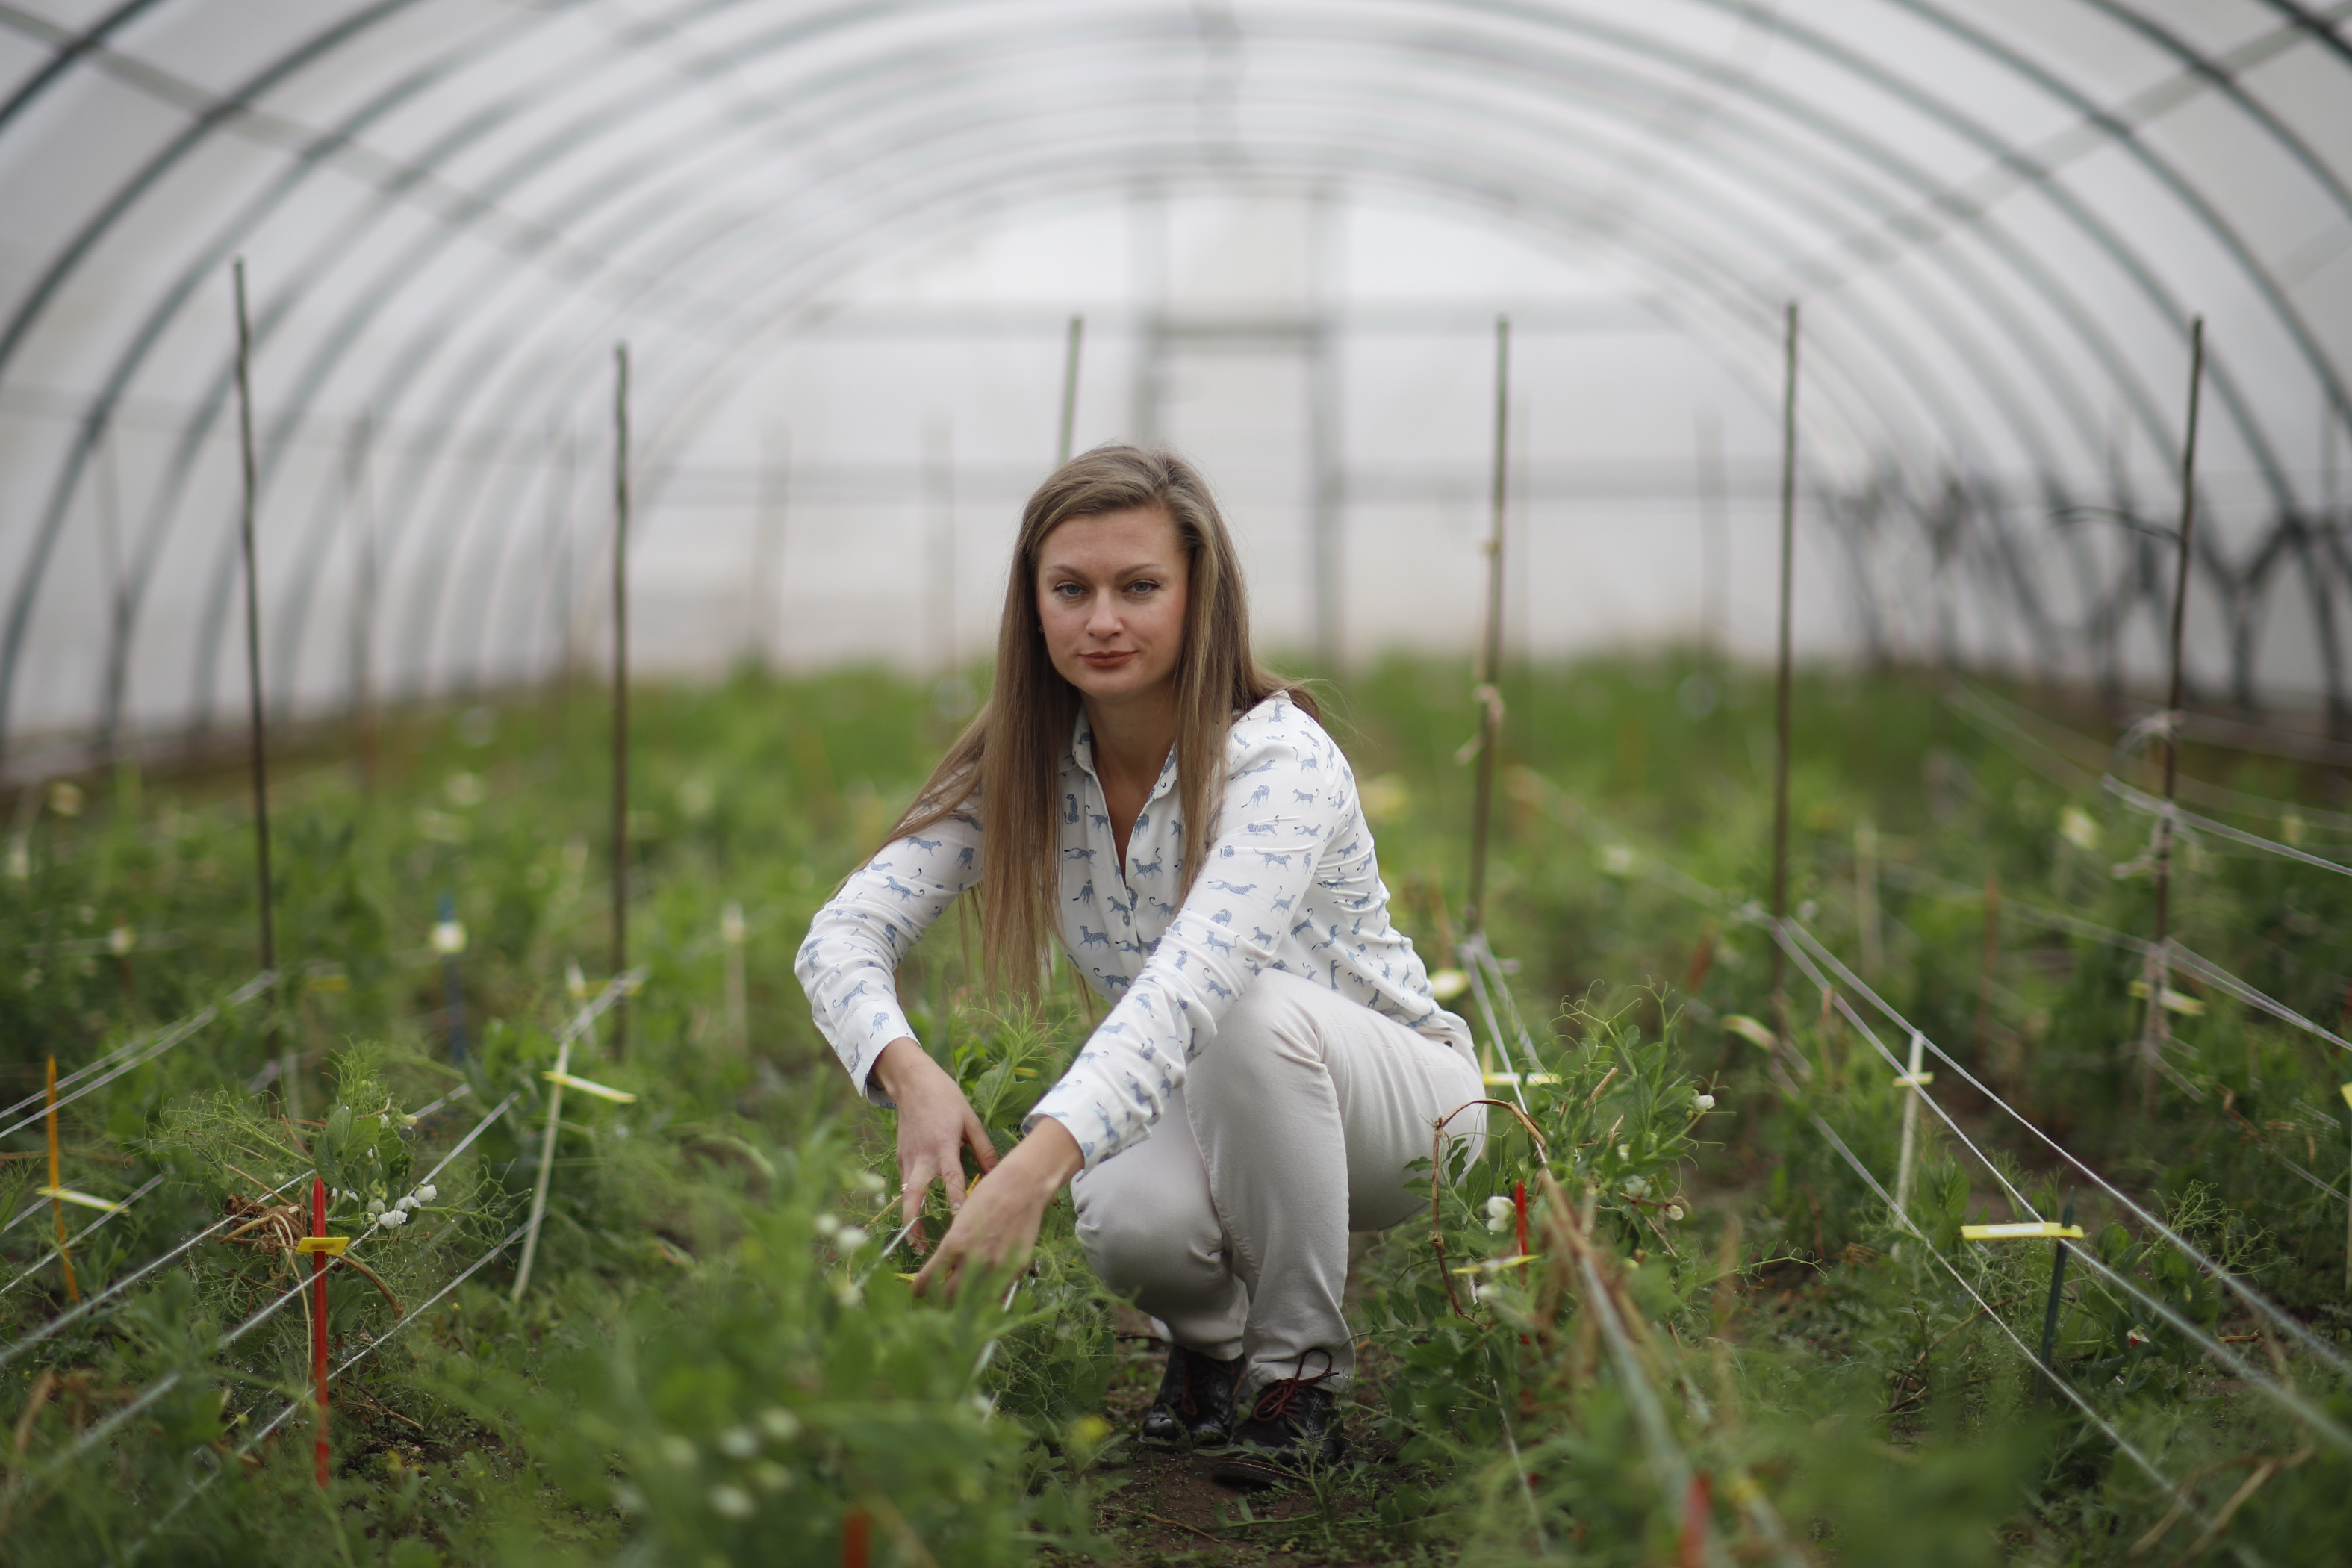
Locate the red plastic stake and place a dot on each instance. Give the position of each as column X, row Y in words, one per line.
column 1519, row 1206
column 319, row 1316
column 1698, row 1511
column 856, row 1538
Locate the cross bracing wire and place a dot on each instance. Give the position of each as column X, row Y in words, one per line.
column 149, row 1050
column 1804, row 948
column 2124, row 1445
column 1822, row 196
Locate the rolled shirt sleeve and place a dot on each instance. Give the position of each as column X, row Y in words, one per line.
column 848, row 963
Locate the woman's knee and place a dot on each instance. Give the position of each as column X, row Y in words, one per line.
column 1265, row 1034
column 1139, row 1234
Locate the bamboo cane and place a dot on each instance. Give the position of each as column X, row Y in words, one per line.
column 739, row 1007
column 1780, row 756
column 546, row 1170
column 318, row 1320
column 620, row 717
column 257, row 720
column 1906, row 1160
column 2153, row 1031
column 1490, row 657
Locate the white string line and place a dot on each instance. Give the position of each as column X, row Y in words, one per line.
column 2291, row 1401
column 2196, row 963
column 54, row 1324
column 279, row 1419
column 1985, row 709
column 51, row 1255
column 105, row 1428
column 2148, row 806
column 171, row 1037
column 1665, row 1455
column 2122, row 1443
column 1519, row 1468
column 59, row 1324
column 1475, row 945
column 197, row 1019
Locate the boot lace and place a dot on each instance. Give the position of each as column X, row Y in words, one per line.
column 1287, row 1395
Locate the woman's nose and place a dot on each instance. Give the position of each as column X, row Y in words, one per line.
column 1102, row 616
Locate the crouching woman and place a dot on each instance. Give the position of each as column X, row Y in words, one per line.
column 1271, row 1060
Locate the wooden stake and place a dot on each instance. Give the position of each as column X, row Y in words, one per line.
column 257, row 732
column 2155, row 1031
column 1069, row 424
column 318, row 1319
column 1781, row 758
column 2348, row 1207
column 57, row 1181
column 1490, row 655
column 620, row 721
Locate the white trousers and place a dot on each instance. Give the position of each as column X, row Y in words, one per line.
column 1228, row 1222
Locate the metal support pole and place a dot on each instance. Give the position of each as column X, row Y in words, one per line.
column 1714, row 545
column 1781, row 757
column 257, row 732
column 359, row 503
column 2046, row 1371
column 1490, row 655
column 620, row 691
column 1067, row 429
column 2159, row 970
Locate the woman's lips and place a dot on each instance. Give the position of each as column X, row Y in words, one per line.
column 1108, row 660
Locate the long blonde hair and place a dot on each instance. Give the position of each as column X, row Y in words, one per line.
column 1012, row 752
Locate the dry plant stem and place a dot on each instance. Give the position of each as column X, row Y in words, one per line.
column 1437, row 1177
column 1906, row 1160
column 1490, row 656
column 620, row 726
column 1781, row 678
column 2153, row 1034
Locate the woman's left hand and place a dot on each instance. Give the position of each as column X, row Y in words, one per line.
column 996, row 1229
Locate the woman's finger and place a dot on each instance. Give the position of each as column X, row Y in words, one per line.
column 976, row 1132
column 915, row 1173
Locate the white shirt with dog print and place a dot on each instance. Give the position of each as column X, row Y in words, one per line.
column 1289, row 882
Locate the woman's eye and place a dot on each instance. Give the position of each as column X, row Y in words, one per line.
column 1070, row 591
column 1145, row 587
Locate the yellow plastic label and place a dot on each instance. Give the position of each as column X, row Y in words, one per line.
column 1505, row 1080
column 333, row 1246
column 1748, row 1029
column 2179, row 1002
column 1914, row 1079
column 2347, row 1093
column 619, row 1096
column 68, row 1195
column 327, row 983
column 2022, row 1230
column 1496, row 1264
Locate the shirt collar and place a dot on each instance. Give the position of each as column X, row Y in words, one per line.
column 1082, row 752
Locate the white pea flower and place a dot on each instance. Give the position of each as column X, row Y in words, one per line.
column 771, row 1477
column 732, row 1502
column 869, row 1182
column 2136, row 1337
column 393, row 1217
column 1675, row 1213
column 1705, row 1102
column 375, row 1207
column 428, row 1192
column 1637, row 1185
column 383, row 1120
column 982, row 1407
column 849, row 1239
column 780, row 1423
column 406, row 1203
column 1624, row 1150
column 827, row 1225
column 407, row 1121
column 848, row 1292
column 628, row 1499
column 677, row 1450
column 1499, row 1214
column 739, row 1443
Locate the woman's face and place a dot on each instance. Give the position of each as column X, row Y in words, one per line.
column 1110, row 598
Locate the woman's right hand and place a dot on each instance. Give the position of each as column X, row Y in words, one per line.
column 935, row 1122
